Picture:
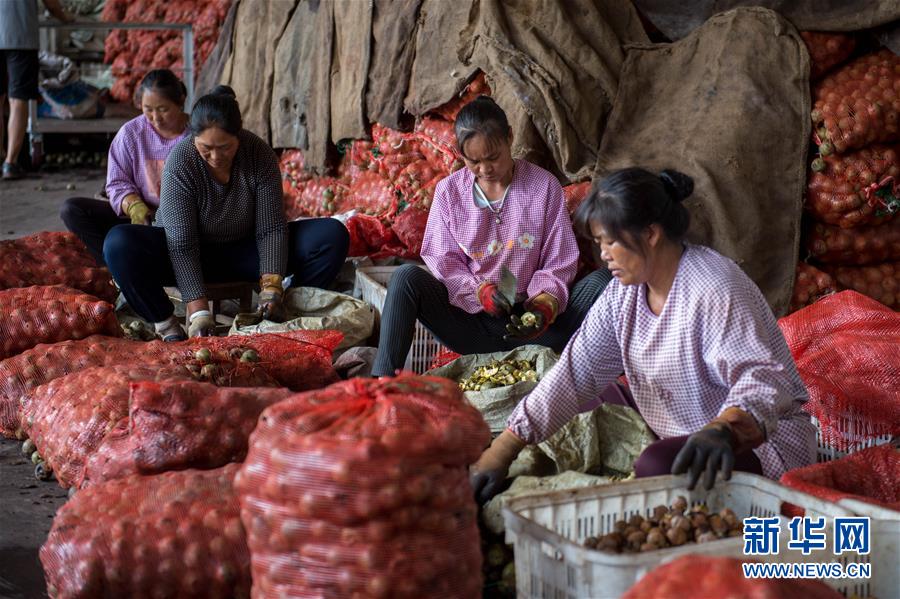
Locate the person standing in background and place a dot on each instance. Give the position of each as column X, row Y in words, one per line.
column 19, row 45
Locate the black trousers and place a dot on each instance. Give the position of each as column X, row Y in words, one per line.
column 414, row 294
column 138, row 258
column 91, row 220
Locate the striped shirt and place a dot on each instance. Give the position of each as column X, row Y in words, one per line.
column 715, row 345
column 465, row 246
column 196, row 209
column 136, row 158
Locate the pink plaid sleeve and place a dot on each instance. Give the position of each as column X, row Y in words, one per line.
column 120, row 170
column 591, row 361
column 445, row 258
column 747, row 352
column 559, row 253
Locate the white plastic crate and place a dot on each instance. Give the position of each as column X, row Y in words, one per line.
column 857, row 432
column 548, row 531
column 371, row 286
column 885, row 547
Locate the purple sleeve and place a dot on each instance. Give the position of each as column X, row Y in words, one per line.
column 445, row 258
column 559, row 252
column 120, row 171
column 591, row 361
column 751, row 358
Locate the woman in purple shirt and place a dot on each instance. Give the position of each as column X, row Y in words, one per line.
column 136, row 159
column 707, row 366
column 497, row 213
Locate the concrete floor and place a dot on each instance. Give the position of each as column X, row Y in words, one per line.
column 32, row 204
column 27, row 506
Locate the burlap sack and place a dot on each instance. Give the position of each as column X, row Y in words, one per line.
column 677, row 18
column 558, row 65
column 349, row 68
column 214, row 67
column 313, row 309
column 728, row 105
column 257, row 29
column 394, row 24
column 437, row 72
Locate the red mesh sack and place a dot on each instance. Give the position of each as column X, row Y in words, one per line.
column 414, row 177
column 53, row 258
column 321, row 196
column 114, row 10
column 859, row 246
column 179, row 425
column 369, row 237
column 868, row 475
column 443, row 357
column 176, row 534
column 575, row 194
column 387, row 141
column 827, row 50
column 33, row 315
column 855, row 189
column 713, row 577
column 858, row 104
column 370, row 193
column 409, row 226
column 476, row 88
column 845, row 347
column 810, row 285
column 69, row 417
column 361, row 489
column 879, row 281
column 357, row 158
column 437, row 142
column 298, row 360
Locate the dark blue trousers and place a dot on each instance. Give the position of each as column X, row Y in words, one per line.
column 138, row 258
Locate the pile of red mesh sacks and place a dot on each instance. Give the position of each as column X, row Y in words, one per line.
column 851, row 236
column 388, row 182
column 134, row 52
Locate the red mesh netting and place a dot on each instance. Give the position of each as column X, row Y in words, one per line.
column 33, row 315
column 194, row 425
column 53, row 258
column 176, row 534
column 859, row 246
column 361, row 488
column 370, row 193
column 845, row 347
column 859, row 103
column 810, row 285
column 476, row 88
column 298, row 360
column 868, row 475
column 72, row 417
column 721, row 578
column 879, row 281
column 443, row 357
column 837, row 195
column 827, row 50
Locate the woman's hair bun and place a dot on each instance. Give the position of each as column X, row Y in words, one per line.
column 223, row 90
column 678, row 185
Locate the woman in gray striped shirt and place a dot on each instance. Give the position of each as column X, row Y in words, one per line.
column 221, row 219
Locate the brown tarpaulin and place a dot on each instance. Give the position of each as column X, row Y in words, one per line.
column 257, row 29
column 677, row 18
column 437, row 73
column 301, row 94
column 394, row 35
column 728, row 105
column 556, row 64
column 349, row 68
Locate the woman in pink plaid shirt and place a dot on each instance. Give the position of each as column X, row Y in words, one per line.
column 707, row 366
column 496, row 213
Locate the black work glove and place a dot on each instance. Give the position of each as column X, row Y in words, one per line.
column 710, row 449
column 488, row 474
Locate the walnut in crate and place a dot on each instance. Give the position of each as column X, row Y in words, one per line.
column 664, row 527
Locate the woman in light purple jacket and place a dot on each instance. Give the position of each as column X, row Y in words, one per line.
column 497, row 213
column 136, row 159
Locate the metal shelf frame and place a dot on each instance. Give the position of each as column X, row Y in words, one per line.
column 37, row 127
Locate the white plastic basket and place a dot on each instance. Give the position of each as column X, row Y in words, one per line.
column 856, row 431
column 548, row 531
column 371, row 285
column 885, row 547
